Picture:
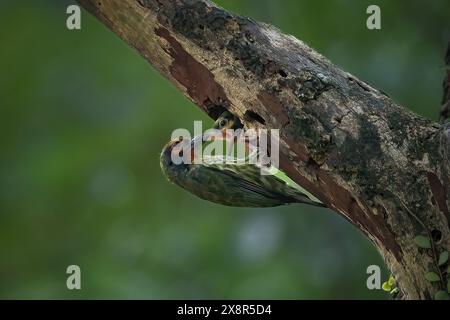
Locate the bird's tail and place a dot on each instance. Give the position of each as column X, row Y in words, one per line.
column 299, row 197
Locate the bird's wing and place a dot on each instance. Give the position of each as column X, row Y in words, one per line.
column 249, row 177
column 245, row 180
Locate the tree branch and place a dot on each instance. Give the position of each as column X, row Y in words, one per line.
column 344, row 141
column 445, row 112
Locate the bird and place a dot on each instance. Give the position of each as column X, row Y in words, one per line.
column 229, row 125
column 227, row 120
column 231, row 184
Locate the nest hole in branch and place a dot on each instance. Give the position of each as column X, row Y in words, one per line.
column 436, row 235
column 252, row 116
column 215, row 111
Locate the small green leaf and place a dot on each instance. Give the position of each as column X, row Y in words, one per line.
column 391, row 281
column 443, row 258
column 432, row 277
column 441, row 295
column 386, row 286
column 422, row 242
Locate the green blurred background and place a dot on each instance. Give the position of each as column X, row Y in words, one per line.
column 83, row 118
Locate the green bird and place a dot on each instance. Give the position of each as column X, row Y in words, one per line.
column 227, row 120
column 236, row 184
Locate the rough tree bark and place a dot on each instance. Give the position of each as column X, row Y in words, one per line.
column 383, row 168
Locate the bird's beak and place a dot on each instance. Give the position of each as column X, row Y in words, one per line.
column 216, row 134
column 197, row 140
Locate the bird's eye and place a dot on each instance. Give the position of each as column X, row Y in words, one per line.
column 222, row 123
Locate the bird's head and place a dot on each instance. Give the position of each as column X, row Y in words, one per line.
column 171, row 151
column 175, row 155
column 227, row 121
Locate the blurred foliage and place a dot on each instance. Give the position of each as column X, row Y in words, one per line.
column 84, row 117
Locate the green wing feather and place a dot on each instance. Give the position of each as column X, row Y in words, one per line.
column 247, row 183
